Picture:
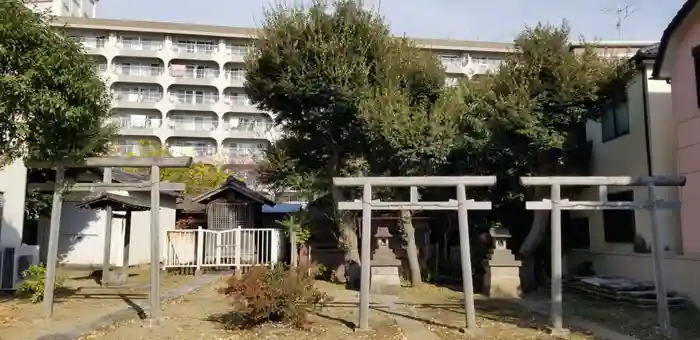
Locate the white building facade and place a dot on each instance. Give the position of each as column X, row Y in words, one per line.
column 65, row 8
column 181, row 86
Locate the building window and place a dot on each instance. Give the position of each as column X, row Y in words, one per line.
column 696, row 65
column 619, row 225
column 615, row 122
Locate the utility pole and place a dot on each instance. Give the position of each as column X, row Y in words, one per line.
column 621, row 13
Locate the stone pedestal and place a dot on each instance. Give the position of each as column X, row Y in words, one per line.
column 385, row 277
column 502, row 278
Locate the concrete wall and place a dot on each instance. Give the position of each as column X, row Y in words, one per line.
column 686, row 115
column 627, row 156
column 13, row 179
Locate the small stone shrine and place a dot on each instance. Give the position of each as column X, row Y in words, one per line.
column 385, row 277
column 502, row 278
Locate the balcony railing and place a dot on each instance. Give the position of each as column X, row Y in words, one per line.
column 237, row 100
column 206, row 125
column 195, row 99
column 250, row 125
column 92, row 42
column 140, row 45
column 192, row 151
column 139, row 71
column 195, row 47
column 137, row 123
column 138, row 97
column 194, row 74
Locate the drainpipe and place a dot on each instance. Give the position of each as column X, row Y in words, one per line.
column 645, row 100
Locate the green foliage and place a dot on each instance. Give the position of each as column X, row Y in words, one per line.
column 54, row 105
column 311, row 67
column 324, row 273
column 272, row 294
column 535, row 107
column 199, row 177
column 297, row 223
column 33, row 283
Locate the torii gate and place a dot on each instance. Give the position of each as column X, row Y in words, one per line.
column 556, row 205
column 154, row 186
column 462, row 205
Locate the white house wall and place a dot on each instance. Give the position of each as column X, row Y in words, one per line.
column 626, row 156
column 13, row 179
column 82, row 234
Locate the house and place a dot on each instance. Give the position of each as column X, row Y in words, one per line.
column 634, row 138
column 678, row 62
column 82, row 232
column 231, row 230
column 13, row 179
column 81, row 240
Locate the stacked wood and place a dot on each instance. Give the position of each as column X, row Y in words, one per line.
column 616, row 289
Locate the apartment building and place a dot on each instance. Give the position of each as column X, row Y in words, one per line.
column 65, row 8
column 181, row 85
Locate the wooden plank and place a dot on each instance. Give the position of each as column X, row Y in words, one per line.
column 449, row 205
column 96, row 187
column 116, row 162
column 424, row 181
column 660, row 181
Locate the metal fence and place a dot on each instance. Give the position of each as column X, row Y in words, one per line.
column 232, row 248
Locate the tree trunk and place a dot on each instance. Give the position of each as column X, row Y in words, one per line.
column 411, row 249
column 539, row 225
column 347, row 241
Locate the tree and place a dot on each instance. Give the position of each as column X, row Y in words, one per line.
column 53, row 105
column 412, row 123
column 536, row 106
column 199, row 177
column 311, row 68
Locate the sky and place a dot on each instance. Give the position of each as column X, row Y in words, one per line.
column 487, row 20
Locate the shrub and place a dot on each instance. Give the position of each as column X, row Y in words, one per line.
column 323, row 273
column 272, row 294
column 34, row 279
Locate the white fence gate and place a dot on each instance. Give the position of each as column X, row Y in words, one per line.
column 232, row 248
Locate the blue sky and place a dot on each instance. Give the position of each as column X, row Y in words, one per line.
column 491, row 20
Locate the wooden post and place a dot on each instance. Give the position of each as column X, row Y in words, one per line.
column 365, row 256
column 107, row 254
column 238, row 250
column 127, row 245
column 155, row 246
column 294, row 251
column 557, row 297
column 657, row 253
column 465, row 255
column 199, row 254
column 54, row 235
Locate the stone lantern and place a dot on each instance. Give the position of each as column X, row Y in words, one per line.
column 384, row 265
column 502, row 278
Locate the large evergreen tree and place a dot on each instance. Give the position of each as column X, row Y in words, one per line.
column 53, row 105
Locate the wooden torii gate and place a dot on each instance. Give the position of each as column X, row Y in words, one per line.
column 556, row 204
column 154, row 186
column 461, row 204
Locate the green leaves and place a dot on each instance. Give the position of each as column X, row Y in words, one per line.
column 52, row 104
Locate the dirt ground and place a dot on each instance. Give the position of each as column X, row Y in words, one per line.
column 82, row 301
column 638, row 322
column 189, row 318
column 442, row 310
column 439, row 309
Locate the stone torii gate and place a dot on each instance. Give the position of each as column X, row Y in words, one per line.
column 154, row 186
column 556, row 204
column 462, row 205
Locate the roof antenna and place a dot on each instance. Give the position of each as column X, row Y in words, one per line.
column 622, row 13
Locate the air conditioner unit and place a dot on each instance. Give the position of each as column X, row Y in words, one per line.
column 14, row 261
